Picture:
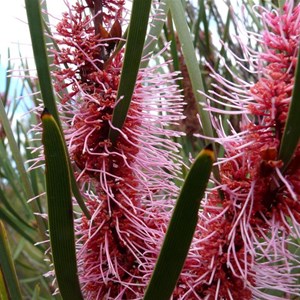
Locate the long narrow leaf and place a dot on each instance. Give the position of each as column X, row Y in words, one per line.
column 190, row 60
column 291, row 133
column 181, row 228
column 35, row 22
column 18, row 226
column 36, row 293
column 133, row 53
column 9, row 207
column 20, row 166
column 3, row 291
column 7, row 267
column 7, row 78
column 10, row 173
column 154, row 32
column 192, row 64
column 60, row 212
column 174, row 50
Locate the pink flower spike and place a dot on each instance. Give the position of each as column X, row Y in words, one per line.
column 242, row 245
column 128, row 187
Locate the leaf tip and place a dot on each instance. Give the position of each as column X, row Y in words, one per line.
column 209, row 151
column 45, row 114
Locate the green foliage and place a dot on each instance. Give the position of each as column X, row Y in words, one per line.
column 291, row 134
column 181, row 228
column 133, row 54
column 190, row 60
column 60, row 210
column 35, row 22
column 10, row 288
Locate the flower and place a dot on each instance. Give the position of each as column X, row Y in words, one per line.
column 242, row 244
column 128, row 186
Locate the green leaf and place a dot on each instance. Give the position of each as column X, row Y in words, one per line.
column 154, row 32
column 174, row 50
column 60, row 211
column 10, row 173
column 291, row 134
column 20, row 166
column 133, row 54
column 36, row 293
column 7, row 267
column 248, row 4
column 205, row 21
column 192, row 64
column 181, row 228
column 18, row 226
column 9, row 207
column 225, row 39
column 3, row 291
column 35, row 22
column 7, row 78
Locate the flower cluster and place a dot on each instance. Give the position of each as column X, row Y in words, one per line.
column 242, row 245
column 128, row 185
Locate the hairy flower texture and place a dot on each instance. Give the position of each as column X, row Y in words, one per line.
column 128, row 186
column 243, row 241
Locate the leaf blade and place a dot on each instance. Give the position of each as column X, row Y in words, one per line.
column 60, row 212
column 7, row 266
column 181, row 228
column 133, row 54
column 291, row 134
column 190, row 60
column 35, row 22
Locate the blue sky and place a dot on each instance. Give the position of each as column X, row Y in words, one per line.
column 15, row 35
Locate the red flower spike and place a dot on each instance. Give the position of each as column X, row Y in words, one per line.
column 128, row 187
column 241, row 249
